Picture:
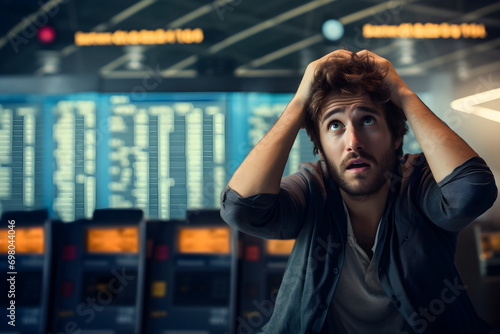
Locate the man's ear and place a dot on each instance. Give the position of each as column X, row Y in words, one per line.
column 397, row 142
column 322, row 157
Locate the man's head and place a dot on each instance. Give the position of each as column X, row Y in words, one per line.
column 353, row 124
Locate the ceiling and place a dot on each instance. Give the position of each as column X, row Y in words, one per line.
column 243, row 38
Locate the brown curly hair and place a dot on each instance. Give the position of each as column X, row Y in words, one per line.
column 352, row 75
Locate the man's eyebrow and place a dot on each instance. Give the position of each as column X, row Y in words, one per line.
column 329, row 113
column 370, row 110
column 334, row 111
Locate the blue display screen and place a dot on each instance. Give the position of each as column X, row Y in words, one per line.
column 164, row 153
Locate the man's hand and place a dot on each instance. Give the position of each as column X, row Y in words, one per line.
column 397, row 86
column 271, row 153
column 443, row 148
column 304, row 90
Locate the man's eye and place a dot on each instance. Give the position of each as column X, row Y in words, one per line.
column 335, row 125
column 368, row 120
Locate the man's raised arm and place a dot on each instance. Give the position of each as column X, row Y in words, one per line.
column 443, row 148
column 262, row 169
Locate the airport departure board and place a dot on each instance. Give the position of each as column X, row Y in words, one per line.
column 265, row 109
column 163, row 153
column 251, row 116
column 73, row 149
column 166, row 154
column 21, row 143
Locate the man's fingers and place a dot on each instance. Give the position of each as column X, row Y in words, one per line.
column 376, row 57
column 337, row 53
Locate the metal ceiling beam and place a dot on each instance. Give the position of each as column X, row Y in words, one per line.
column 307, row 42
column 459, row 16
column 252, row 31
column 455, row 55
column 484, row 69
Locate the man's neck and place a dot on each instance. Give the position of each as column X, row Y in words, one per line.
column 365, row 214
column 368, row 208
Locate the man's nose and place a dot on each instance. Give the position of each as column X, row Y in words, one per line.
column 353, row 138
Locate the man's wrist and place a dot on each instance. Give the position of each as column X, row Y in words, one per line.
column 406, row 98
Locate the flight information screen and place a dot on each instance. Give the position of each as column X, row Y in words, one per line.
column 279, row 247
column 204, row 240
column 113, row 240
column 164, row 153
column 28, row 240
column 21, row 145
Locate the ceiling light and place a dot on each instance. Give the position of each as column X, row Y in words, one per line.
column 333, row 30
column 471, row 104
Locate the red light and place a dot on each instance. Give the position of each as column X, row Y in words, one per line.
column 46, row 35
column 162, row 252
column 69, row 252
column 252, row 253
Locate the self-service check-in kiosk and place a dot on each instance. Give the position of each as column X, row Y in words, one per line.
column 194, row 291
column 261, row 265
column 159, row 245
column 24, row 271
column 100, row 274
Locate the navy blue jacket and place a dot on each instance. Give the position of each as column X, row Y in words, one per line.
column 415, row 247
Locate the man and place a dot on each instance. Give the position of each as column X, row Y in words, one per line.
column 375, row 231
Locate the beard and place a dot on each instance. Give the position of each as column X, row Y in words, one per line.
column 363, row 185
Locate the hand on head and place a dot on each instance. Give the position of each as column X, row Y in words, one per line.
column 397, row 86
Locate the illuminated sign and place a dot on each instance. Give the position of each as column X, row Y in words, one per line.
column 27, row 240
column 144, row 37
column 208, row 240
column 279, row 247
column 425, row 30
column 113, row 240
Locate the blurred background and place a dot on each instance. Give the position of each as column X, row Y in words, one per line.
column 122, row 121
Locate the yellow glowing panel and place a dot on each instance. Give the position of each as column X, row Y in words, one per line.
column 490, row 244
column 495, row 241
column 27, row 240
column 210, row 240
column 113, row 240
column 4, row 241
column 159, row 289
column 279, row 247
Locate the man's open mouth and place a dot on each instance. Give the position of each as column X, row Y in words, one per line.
column 358, row 164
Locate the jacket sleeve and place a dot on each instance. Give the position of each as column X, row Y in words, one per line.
column 268, row 216
column 460, row 197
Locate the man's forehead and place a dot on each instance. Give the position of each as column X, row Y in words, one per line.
column 345, row 101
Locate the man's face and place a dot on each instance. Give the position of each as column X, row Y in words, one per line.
column 357, row 144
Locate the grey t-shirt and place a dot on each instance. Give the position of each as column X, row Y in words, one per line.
column 360, row 304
